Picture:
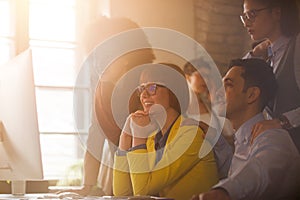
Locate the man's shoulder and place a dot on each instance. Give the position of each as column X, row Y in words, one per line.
column 275, row 132
column 273, row 138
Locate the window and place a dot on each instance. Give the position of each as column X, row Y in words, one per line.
column 51, row 28
column 6, row 31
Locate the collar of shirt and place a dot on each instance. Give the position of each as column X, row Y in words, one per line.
column 160, row 139
column 243, row 134
column 280, row 43
column 278, row 48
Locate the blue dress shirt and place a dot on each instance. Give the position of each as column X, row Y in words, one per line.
column 267, row 169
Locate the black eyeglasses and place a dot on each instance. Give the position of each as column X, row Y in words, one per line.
column 150, row 88
column 251, row 15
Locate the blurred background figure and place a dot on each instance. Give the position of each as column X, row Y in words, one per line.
column 104, row 132
column 202, row 91
column 200, row 87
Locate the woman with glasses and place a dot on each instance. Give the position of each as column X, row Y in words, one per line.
column 159, row 149
column 277, row 22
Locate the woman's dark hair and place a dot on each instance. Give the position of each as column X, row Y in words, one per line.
column 290, row 22
column 173, row 98
column 173, row 78
column 189, row 67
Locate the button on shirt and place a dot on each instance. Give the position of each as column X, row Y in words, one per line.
column 266, row 169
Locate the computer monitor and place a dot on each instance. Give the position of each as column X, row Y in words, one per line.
column 20, row 153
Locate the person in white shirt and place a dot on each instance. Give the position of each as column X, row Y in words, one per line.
column 277, row 22
column 269, row 167
column 104, row 132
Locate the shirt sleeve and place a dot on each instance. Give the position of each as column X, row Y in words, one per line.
column 272, row 155
column 95, row 140
column 223, row 153
column 121, row 177
column 293, row 117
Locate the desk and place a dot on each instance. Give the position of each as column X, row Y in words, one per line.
column 53, row 196
column 130, row 198
column 24, row 197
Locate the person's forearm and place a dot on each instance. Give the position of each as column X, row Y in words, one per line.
column 91, row 170
column 125, row 141
column 138, row 141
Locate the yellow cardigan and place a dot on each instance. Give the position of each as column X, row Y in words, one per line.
column 179, row 174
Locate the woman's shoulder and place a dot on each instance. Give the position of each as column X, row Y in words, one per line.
column 188, row 122
column 192, row 124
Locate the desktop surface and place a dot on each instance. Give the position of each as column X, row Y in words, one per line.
column 54, row 196
column 26, row 196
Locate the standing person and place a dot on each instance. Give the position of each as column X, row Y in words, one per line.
column 278, row 22
column 158, row 151
column 269, row 167
column 102, row 142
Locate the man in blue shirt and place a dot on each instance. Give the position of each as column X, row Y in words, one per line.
column 268, row 167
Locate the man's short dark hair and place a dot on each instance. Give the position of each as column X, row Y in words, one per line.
column 257, row 73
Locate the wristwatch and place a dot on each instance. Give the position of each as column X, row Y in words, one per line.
column 284, row 122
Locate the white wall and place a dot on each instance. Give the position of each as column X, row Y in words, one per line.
column 173, row 14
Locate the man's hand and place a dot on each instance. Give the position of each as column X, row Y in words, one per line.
column 262, row 126
column 215, row 194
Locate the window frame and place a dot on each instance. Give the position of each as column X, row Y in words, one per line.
column 85, row 11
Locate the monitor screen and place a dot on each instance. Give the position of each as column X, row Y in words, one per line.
column 20, row 153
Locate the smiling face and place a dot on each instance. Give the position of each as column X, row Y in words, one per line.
column 153, row 93
column 171, row 90
column 265, row 21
